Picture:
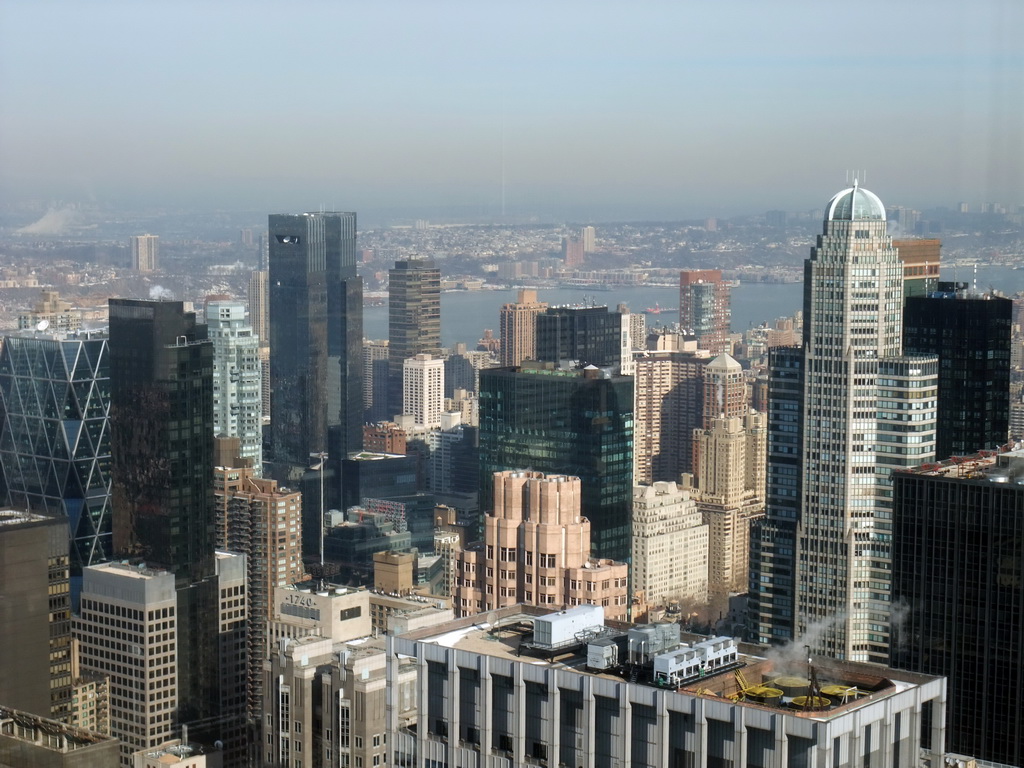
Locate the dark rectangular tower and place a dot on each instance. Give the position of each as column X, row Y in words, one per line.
column 958, row 549
column 970, row 333
column 584, row 335
column 316, row 328
column 161, row 421
column 414, row 320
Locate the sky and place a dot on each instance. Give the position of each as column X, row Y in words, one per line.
column 594, row 110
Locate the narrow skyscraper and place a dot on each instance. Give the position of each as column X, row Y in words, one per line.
column 144, row 252
column 414, row 320
column 821, row 564
column 704, row 308
column 161, row 421
column 237, row 384
column 316, row 366
column 518, row 326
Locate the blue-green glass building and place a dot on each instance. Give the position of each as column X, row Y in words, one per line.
column 564, row 421
column 55, row 436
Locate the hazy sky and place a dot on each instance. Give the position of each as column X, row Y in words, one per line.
column 685, row 108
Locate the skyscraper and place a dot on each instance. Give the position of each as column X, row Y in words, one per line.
column 970, row 333
column 572, row 251
column 537, row 551
column 518, row 327
column 423, row 390
column 259, row 314
column 560, row 422
column 920, row 259
column 316, row 330
column 588, row 235
column 55, row 436
column 585, row 335
column 237, row 379
column 264, row 522
column 161, row 421
column 35, row 614
column 414, row 320
column 704, row 308
column 144, row 252
column 669, row 407
column 957, row 554
column 670, row 546
column 863, row 410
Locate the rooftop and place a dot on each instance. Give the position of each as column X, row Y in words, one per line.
column 759, row 677
column 998, row 466
column 855, row 204
column 47, row 733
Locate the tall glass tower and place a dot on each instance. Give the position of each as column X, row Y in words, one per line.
column 316, row 330
column 55, row 437
column 821, row 568
column 414, row 320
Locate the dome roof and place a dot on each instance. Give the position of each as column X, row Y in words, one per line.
column 853, row 204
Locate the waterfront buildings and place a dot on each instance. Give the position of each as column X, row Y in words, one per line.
column 957, row 554
column 574, row 422
column 491, row 691
column 55, row 436
column 846, row 409
column 375, row 380
column 970, row 332
column 518, row 328
column 414, row 320
column 144, row 250
column 573, row 251
column 237, row 379
column 589, row 236
column 704, row 308
column 536, row 550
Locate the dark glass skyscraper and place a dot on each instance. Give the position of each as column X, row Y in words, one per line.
column 161, row 421
column 585, row 335
column 316, row 336
column 414, row 320
column 572, row 422
column 970, row 333
column 958, row 550
column 55, row 437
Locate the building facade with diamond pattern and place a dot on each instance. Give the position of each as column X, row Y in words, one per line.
column 55, row 437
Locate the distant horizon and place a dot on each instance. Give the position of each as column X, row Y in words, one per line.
column 408, row 216
column 571, row 110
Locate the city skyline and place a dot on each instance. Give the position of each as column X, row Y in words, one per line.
column 572, row 110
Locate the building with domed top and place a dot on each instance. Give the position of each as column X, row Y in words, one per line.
column 845, row 409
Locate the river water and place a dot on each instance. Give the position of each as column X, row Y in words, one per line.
column 465, row 314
